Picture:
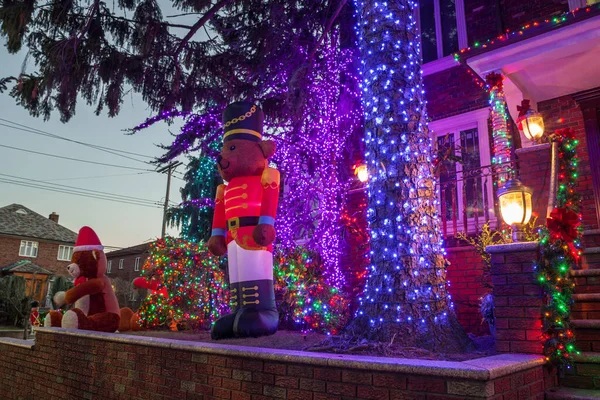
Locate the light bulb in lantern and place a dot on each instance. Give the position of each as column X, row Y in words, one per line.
column 362, row 173
column 515, row 206
column 530, row 122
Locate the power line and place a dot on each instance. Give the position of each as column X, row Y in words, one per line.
column 2, row 180
column 96, row 177
column 86, row 191
column 55, row 136
column 75, row 159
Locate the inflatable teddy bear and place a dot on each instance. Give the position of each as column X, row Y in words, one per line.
column 243, row 223
column 90, row 261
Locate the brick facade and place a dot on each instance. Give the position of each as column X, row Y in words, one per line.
column 47, row 254
column 453, row 92
column 124, row 367
column 468, row 283
column 517, row 298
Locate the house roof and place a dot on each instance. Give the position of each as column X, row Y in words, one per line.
column 18, row 220
column 137, row 249
column 25, row 266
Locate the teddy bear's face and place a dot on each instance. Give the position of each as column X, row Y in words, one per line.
column 244, row 158
column 90, row 264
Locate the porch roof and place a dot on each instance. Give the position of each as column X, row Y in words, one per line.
column 25, row 266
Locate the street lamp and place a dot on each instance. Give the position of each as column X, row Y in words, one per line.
column 530, row 122
column 515, row 206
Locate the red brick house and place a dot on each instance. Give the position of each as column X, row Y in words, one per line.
column 27, row 235
column 546, row 52
column 124, row 266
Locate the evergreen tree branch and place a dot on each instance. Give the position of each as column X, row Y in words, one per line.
column 209, row 14
column 326, row 31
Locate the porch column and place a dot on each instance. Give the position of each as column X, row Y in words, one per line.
column 517, row 298
column 501, row 138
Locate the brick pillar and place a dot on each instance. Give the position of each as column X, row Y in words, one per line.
column 517, row 298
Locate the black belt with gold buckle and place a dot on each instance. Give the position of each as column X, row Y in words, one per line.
column 239, row 222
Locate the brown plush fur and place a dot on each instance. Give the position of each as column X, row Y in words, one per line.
column 129, row 320
column 244, row 158
column 104, row 313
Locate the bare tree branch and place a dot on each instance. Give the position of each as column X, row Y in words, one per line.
column 199, row 25
column 326, row 31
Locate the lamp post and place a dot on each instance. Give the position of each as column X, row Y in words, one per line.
column 530, row 122
column 515, row 206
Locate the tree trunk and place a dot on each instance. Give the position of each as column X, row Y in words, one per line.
column 405, row 297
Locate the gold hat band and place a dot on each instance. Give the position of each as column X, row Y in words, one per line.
column 248, row 131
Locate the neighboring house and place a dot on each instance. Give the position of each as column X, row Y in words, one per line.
column 37, row 278
column 27, row 235
column 123, row 267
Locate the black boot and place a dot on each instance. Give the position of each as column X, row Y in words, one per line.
column 223, row 327
column 258, row 315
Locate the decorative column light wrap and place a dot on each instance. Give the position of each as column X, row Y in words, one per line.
column 405, row 294
column 501, row 139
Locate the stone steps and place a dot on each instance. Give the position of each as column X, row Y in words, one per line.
column 586, row 297
column 586, row 280
column 587, row 334
column 591, row 258
column 562, row 393
column 585, row 374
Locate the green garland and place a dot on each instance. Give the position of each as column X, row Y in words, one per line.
column 560, row 251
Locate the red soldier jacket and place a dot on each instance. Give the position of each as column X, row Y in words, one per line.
column 244, row 203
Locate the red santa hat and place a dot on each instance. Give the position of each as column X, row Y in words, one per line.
column 87, row 240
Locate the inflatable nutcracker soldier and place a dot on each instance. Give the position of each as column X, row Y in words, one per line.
column 243, row 223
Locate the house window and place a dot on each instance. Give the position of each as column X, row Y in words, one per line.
column 443, row 28
column 28, row 249
column 136, row 266
column 109, row 267
column 465, row 184
column 65, row 253
column 121, row 263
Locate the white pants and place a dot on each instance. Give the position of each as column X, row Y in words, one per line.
column 248, row 265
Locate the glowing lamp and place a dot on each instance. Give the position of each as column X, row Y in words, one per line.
column 362, row 173
column 530, row 122
column 515, row 206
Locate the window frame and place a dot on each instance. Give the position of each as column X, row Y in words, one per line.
column 121, row 263
column 34, row 246
column 136, row 265
column 109, row 266
column 461, row 27
column 455, row 124
column 64, row 247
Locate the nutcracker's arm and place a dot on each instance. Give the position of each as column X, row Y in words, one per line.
column 216, row 243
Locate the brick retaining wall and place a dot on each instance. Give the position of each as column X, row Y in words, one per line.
column 77, row 364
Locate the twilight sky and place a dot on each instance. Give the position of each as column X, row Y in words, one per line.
column 117, row 224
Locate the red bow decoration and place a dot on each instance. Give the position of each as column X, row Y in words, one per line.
column 563, row 225
column 523, row 108
column 495, row 80
column 566, row 133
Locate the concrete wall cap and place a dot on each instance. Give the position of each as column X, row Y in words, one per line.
column 512, row 247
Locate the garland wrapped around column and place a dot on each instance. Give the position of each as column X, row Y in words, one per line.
column 501, row 145
column 561, row 249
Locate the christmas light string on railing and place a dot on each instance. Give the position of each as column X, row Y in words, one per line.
column 565, row 17
column 396, row 138
column 560, row 252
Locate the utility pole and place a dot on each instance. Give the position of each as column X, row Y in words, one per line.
column 169, row 168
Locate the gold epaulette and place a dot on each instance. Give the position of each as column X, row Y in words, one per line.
column 220, row 192
column 270, row 178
